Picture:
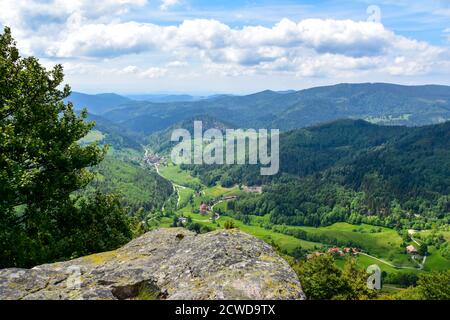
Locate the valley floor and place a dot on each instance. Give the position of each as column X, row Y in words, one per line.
column 378, row 245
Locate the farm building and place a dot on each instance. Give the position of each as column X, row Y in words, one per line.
column 204, row 209
column 411, row 249
column 335, row 250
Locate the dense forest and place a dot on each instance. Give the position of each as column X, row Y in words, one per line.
column 45, row 215
column 378, row 103
column 353, row 171
column 142, row 191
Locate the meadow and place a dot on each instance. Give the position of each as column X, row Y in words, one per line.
column 383, row 246
column 178, row 176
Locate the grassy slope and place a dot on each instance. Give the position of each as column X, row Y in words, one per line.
column 283, row 241
column 383, row 243
column 93, row 136
column 176, row 175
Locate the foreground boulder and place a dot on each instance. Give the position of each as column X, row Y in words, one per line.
column 163, row 264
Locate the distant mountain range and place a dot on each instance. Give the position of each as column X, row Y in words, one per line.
column 378, row 103
column 331, row 151
column 162, row 98
column 104, row 102
column 97, row 103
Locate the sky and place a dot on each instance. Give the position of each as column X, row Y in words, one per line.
column 209, row 46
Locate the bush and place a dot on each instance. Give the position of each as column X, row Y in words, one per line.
column 402, row 279
column 229, row 224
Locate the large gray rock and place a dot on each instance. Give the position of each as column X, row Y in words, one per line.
column 163, row 264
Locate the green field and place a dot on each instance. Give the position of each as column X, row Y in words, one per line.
column 285, row 242
column 174, row 174
column 380, row 242
column 435, row 261
column 92, row 136
column 185, row 194
column 218, row 191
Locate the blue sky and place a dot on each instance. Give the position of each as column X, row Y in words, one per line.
column 204, row 47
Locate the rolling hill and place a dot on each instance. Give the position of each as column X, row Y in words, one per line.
column 98, row 103
column 377, row 103
column 353, row 171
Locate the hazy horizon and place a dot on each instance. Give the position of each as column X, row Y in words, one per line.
column 207, row 94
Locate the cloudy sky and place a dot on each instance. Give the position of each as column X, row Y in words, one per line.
column 231, row 46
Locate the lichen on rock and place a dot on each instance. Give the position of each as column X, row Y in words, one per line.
column 163, row 264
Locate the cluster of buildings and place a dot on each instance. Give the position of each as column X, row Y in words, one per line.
column 252, row 189
column 151, row 158
column 204, row 208
column 343, row 252
column 335, row 251
column 411, row 250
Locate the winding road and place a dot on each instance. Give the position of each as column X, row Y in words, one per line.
column 175, row 186
column 387, row 263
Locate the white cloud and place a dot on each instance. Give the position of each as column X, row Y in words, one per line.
column 154, row 72
column 105, row 40
column 129, row 70
column 167, row 4
column 78, row 31
column 177, row 64
column 218, row 40
column 307, row 47
column 25, row 13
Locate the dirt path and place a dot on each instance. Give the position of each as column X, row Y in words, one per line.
column 387, row 263
column 175, row 186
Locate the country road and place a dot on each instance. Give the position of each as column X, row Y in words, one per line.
column 174, row 186
column 387, row 263
column 421, row 265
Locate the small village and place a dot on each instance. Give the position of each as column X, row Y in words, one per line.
column 152, row 159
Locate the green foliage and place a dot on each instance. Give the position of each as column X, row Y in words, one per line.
column 382, row 103
column 42, row 165
column 321, row 279
column 117, row 135
column 198, row 228
column 435, row 285
column 430, row 286
column 229, row 224
column 70, row 229
column 402, row 279
column 138, row 186
column 351, row 171
column 423, row 249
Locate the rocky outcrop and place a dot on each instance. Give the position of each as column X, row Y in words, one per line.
column 163, row 264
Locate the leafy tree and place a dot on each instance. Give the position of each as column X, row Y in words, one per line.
column 229, row 224
column 42, row 165
column 430, row 286
column 402, row 279
column 434, row 285
column 321, row 279
column 423, row 249
column 355, row 280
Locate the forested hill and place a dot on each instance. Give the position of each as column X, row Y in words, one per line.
column 97, row 103
column 160, row 141
column 331, row 171
column 377, row 103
